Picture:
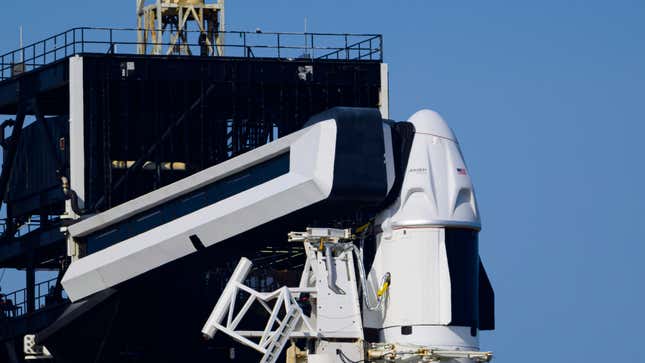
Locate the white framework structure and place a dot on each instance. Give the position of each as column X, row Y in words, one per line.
column 334, row 323
column 280, row 304
column 330, row 285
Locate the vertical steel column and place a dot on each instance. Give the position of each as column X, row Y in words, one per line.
column 141, row 47
column 222, row 28
column 106, row 124
column 77, row 129
column 11, row 151
column 202, row 128
column 159, row 31
column 31, row 281
column 10, row 347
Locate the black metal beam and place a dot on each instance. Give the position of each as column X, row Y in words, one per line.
column 10, row 151
column 142, row 159
column 47, row 243
column 30, row 323
column 51, row 79
column 30, row 282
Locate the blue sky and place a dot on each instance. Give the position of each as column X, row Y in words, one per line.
column 546, row 98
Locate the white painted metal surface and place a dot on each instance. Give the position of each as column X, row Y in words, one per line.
column 309, row 181
column 352, row 351
column 437, row 192
column 76, row 130
column 420, row 289
column 389, row 156
column 321, row 358
column 337, row 315
column 384, row 94
column 335, row 319
column 281, row 306
column 442, row 337
column 34, row 352
column 221, row 308
column 437, row 189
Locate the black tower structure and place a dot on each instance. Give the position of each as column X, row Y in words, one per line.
column 90, row 124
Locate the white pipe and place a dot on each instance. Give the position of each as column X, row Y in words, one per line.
column 365, row 286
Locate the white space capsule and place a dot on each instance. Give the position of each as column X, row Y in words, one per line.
column 427, row 241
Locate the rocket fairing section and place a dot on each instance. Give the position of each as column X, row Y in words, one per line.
column 427, row 240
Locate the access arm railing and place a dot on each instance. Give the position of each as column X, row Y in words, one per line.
column 234, row 44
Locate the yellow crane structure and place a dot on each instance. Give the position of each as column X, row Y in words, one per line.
column 180, row 27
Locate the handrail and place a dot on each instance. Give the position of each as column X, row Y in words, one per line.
column 21, row 230
column 15, row 303
column 281, row 45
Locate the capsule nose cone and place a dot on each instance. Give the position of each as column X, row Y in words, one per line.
column 430, row 122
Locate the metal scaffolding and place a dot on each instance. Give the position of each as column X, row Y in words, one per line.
column 172, row 19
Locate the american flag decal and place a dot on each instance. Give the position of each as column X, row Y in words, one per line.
column 461, row 171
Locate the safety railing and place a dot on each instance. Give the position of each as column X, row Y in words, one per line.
column 14, row 304
column 7, row 232
column 231, row 43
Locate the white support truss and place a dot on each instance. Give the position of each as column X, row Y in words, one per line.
column 328, row 284
column 286, row 318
